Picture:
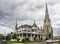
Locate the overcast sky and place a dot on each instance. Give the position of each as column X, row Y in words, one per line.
column 26, row 11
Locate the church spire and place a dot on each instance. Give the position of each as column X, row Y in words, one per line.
column 46, row 14
column 47, row 30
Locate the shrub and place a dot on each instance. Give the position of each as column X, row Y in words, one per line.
column 18, row 40
column 23, row 40
column 26, row 39
column 46, row 39
column 41, row 38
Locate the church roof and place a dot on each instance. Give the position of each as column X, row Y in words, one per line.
column 24, row 26
column 34, row 25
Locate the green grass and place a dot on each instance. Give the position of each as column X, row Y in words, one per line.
column 9, row 42
column 59, row 43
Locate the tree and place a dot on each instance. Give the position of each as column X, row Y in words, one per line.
column 1, row 37
column 8, row 37
column 13, row 35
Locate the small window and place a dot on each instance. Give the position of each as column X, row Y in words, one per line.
column 35, row 30
column 28, row 30
column 32, row 30
column 20, row 31
column 24, row 30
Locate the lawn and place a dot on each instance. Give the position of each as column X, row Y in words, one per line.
column 59, row 43
column 9, row 42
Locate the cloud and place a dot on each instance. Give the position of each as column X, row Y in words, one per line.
column 26, row 11
column 5, row 30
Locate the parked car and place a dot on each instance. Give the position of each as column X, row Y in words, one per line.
column 3, row 41
column 50, row 41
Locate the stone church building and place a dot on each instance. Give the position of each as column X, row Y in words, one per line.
column 47, row 27
column 33, row 32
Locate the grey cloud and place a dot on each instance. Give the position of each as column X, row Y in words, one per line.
column 26, row 11
column 18, row 10
column 38, row 7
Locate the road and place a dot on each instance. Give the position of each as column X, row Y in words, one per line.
column 35, row 43
column 49, row 43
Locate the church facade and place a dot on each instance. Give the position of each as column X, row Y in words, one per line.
column 33, row 32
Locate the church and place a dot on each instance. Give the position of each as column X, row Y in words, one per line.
column 47, row 27
column 33, row 32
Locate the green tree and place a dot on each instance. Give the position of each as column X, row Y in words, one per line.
column 13, row 35
column 8, row 37
column 1, row 37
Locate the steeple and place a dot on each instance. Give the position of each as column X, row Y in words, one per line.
column 46, row 14
column 34, row 24
column 47, row 27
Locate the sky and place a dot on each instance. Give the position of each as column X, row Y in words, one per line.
column 28, row 11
